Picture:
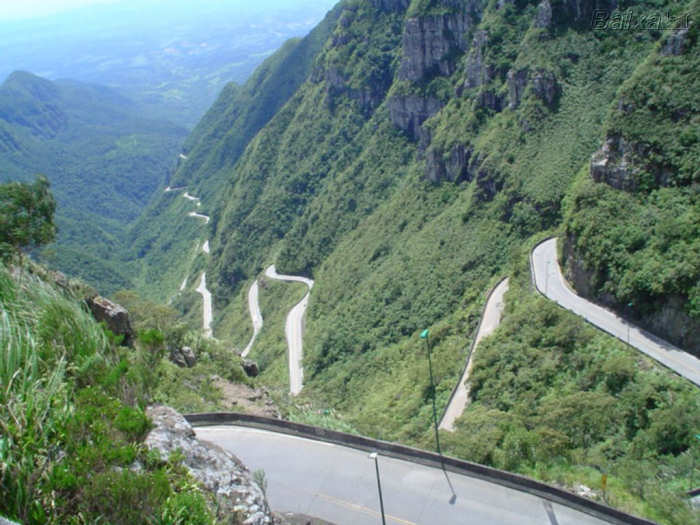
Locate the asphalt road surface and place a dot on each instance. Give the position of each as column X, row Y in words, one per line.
column 255, row 316
column 207, row 314
column 551, row 283
column 490, row 320
column 294, row 331
column 339, row 484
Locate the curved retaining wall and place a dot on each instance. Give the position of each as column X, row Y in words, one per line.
column 423, row 457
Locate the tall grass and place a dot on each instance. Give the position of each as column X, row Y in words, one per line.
column 33, row 390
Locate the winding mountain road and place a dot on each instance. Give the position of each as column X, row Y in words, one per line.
column 192, row 198
column 255, row 316
column 490, row 319
column 196, row 215
column 551, row 283
column 207, row 309
column 294, row 330
column 338, row 484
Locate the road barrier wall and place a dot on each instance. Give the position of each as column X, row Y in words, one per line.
column 422, row 457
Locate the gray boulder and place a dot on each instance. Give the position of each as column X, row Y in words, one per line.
column 183, row 357
column 251, row 368
column 113, row 315
column 238, row 497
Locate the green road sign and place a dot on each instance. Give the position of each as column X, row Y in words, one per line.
column 424, row 334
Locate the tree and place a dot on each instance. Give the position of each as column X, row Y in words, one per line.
column 26, row 216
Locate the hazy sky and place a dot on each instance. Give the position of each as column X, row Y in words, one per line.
column 18, row 9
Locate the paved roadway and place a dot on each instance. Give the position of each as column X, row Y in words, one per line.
column 255, row 316
column 339, row 484
column 294, row 330
column 490, row 320
column 207, row 311
column 199, row 216
column 551, row 283
column 192, row 198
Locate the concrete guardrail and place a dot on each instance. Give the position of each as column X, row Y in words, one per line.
column 422, row 457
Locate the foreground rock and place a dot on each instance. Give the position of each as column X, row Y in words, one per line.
column 239, row 499
column 183, row 357
column 113, row 315
column 251, row 368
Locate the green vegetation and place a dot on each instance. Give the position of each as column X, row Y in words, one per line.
column 26, row 217
column 557, row 399
column 104, row 160
column 641, row 242
column 72, row 420
column 162, row 328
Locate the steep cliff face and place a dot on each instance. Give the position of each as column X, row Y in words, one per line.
column 409, row 112
column 432, row 42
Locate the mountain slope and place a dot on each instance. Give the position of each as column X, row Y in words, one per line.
column 103, row 159
column 213, row 148
column 431, row 144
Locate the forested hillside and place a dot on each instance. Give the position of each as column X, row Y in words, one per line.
column 103, row 159
column 418, row 151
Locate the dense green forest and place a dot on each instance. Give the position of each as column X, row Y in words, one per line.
column 424, row 148
column 103, row 159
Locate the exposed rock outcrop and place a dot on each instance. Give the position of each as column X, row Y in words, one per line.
column 239, row 499
column 251, row 368
column 675, row 43
column 517, row 82
column 453, row 167
column 545, row 86
column 113, row 315
column 369, row 92
column 476, row 73
column 368, row 97
column 183, row 357
column 612, row 164
column 239, row 397
column 543, row 83
column 543, row 18
column 431, row 43
column 491, row 100
column 409, row 112
column 581, row 11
